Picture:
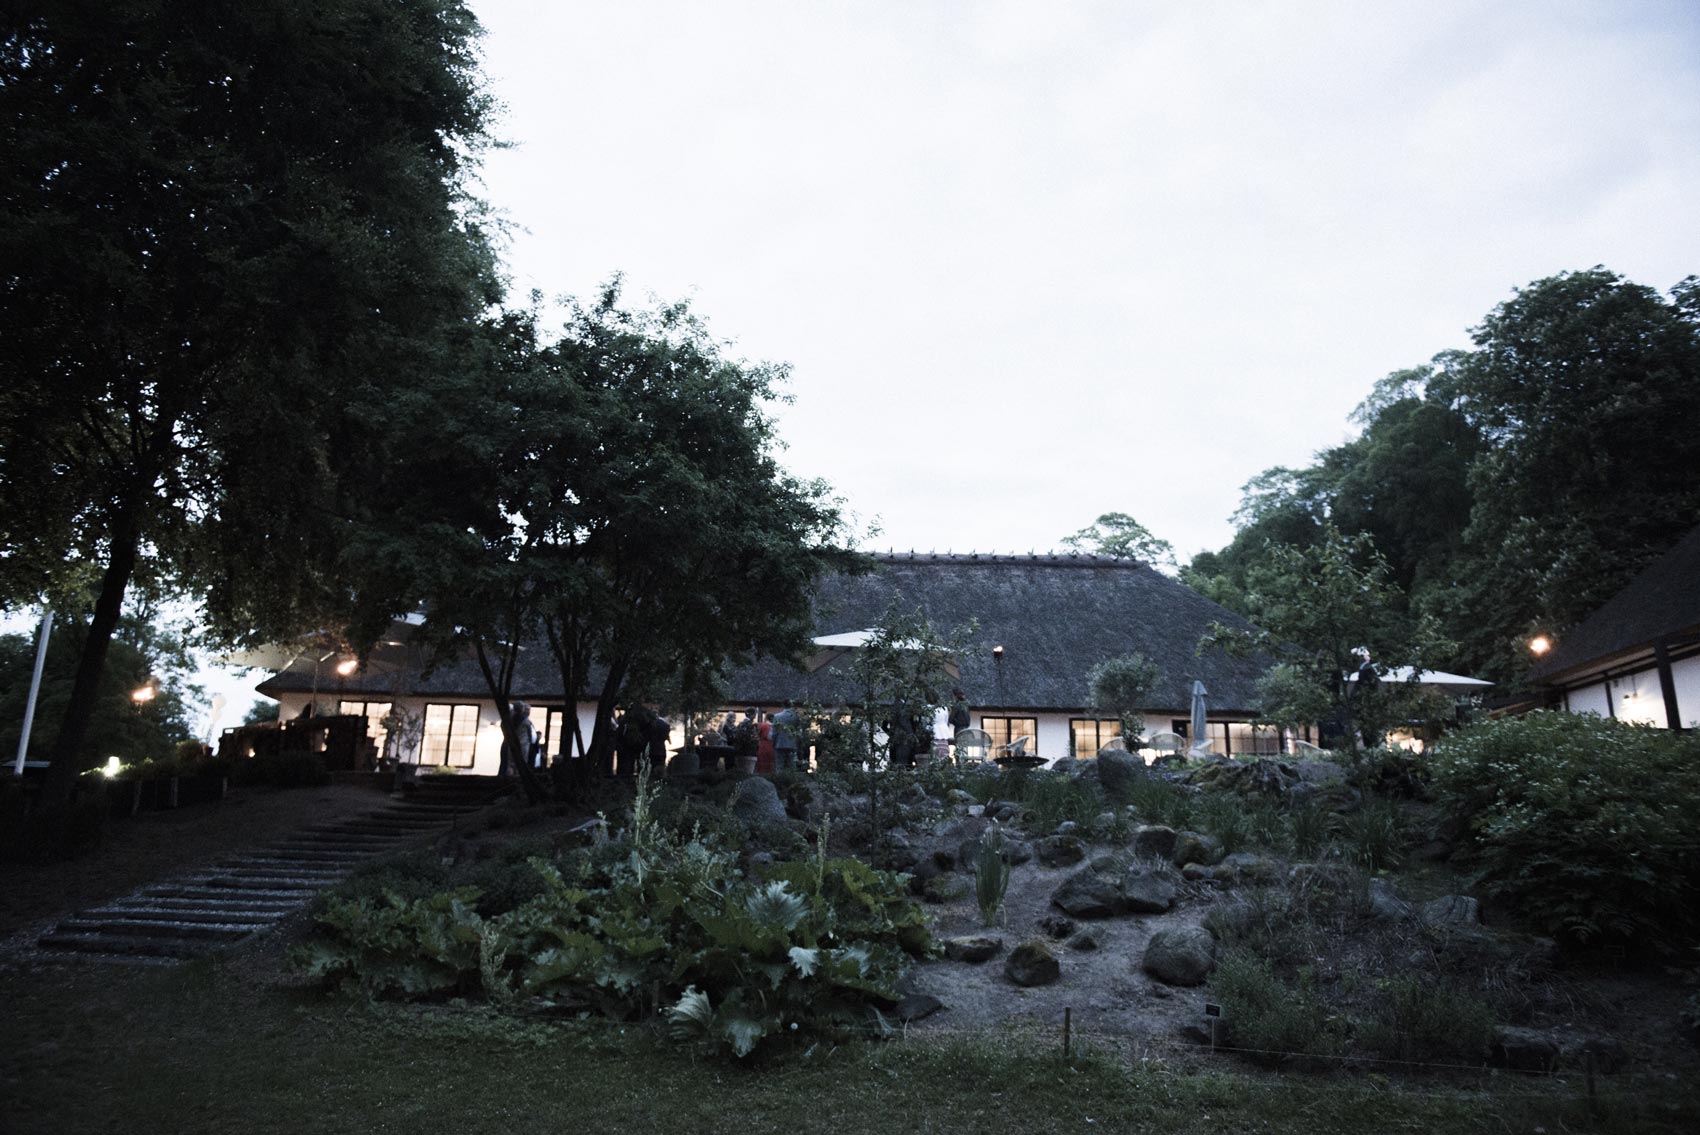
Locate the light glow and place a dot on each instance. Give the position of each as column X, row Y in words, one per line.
column 1539, row 645
column 113, row 765
column 347, row 666
column 141, row 695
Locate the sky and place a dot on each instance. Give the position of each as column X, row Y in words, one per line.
column 1030, row 263
column 1034, row 262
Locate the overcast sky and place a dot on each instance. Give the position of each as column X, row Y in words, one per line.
column 1034, row 262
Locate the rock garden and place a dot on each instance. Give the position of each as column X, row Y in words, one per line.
column 1523, row 901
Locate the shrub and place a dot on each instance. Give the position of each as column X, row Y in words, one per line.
column 1223, row 815
column 1052, row 798
column 991, row 875
column 1270, row 1017
column 1307, row 829
column 1584, row 825
column 1374, row 835
column 1158, row 801
column 1419, row 1020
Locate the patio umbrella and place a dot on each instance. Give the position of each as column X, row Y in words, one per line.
column 830, row 648
column 1438, row 679
column 1200, row 729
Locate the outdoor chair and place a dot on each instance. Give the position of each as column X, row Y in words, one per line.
column 1166, row 744
column 973, row 747
column 1017, row 747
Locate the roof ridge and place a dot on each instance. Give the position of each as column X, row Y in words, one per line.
column 1050, row 559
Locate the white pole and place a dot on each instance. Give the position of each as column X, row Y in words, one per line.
column 35, row 689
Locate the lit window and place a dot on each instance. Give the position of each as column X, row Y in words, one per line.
column 1087, row 735
column 1003, row 730
column 451, row 735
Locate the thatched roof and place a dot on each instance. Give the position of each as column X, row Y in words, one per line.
column 1662, row 604
column 1056, row 616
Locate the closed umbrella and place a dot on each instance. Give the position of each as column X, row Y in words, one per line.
column 1200, row 730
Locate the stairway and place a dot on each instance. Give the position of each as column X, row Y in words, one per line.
column 215, row 908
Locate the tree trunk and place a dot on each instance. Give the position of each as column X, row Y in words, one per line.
column 69, row 759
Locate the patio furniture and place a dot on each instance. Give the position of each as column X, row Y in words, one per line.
column 973, row 746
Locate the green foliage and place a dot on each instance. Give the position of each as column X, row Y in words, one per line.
column 1051, row 799
column 991, row 875
column 1416, row 1019
column 1123, row 686
column 814, row 947
column 1120, row 535
column 1158, row 801
column 1374, row 834
column 1270, row 1017
column 1584, row 825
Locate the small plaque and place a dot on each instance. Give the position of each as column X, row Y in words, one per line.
column 1212, row 1010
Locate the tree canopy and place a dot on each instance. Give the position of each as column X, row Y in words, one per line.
column 1510, row 488
column 231, row 234
column 1120, row 535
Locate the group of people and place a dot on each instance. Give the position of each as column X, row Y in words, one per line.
column 769, row 737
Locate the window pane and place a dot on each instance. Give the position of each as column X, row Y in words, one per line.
column 434, row 748
column 463, row 736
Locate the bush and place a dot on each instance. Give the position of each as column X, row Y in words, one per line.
column 1426, row 1021
column 1270, row 1017
column 1374, row 835
column 1584, row 825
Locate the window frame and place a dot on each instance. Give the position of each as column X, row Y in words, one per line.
column 427, row 757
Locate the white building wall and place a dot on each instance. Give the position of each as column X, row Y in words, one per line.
column 1637, row 698
column 1686, row 676
column 1588, row 699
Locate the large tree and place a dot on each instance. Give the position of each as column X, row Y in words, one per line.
column 229, row 234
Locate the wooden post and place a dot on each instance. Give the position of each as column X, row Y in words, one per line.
column 1067, row 1032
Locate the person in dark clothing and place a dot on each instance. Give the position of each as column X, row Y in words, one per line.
column 630, row 740
column 657, row 730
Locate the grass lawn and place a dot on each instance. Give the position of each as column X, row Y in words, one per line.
column 212, row 1048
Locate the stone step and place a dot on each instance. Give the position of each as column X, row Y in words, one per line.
column 338, row 841
column 210, row 913
column 304, row 856
column 220, row 901
column 281, row 884
column 197, row 888
column 165, row 947
column 323, row 873
column 149, row 928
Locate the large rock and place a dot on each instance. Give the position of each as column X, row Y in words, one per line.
column 756, row 801
column 1451, row 911
column 1154, row 841
column 1119, row 771
column 972, row 948
column 1250, row 867
column 1385, row 903
column 1145, row 890
column 1060, row 850
column 1032, row 963
column 914, row 1006
column 1196, row 847
column 1016, row 852
column 1087, row 894
column 1181, row 957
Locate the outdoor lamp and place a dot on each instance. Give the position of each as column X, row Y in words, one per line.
column 141, row 695
column 347, row 666
column 1539, row 645
column 997, row 652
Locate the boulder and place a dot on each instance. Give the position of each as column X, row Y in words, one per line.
column 1032, row 963
column 1067, row 827
column 914, row 1006
column 1146, row 890
column 1385, row 903
column 972, row 948
column 756, row 801
column 1154, row 841
column 1199, row 873
column 912, row 793
column 957, row 798
column 1180, row 957
column 1250, row 867
column 944, row 888
column 1060, row 850
column 1056, row 926
column 1016, row 852
column 1452, row 910
column 1083, row 940
column 1087, row 894
column 1119, row 772
column 1196, row 847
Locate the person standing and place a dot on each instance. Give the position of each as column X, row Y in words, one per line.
column 765, row 752
column 786, row 726
column 525, row 739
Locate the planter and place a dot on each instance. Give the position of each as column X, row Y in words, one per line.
column 747, row 765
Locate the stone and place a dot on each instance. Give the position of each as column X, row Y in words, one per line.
column 1199, row 873
column 1452, row 910
column 1056, row 926
column 1180, row 957
column 1016, row 852
column 1032, row 963
column 1060, row 850
column 1385, row 903
column 944, row 888
column 1250, row 867
column 1067, row 827
column 914, row 1006
column 912, row 793
column 1146, row 890
column 1005, row 813
column 1087, row 894
column 1154, row 841
column 757, row 802
column 1196, row 847
column 1524, row 1049
column 1109, row 863
column 1232, row 918
column 1104, row 821
column 972, row 948
column 1083, row 940
column 1119, row 772
column 957, row 798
